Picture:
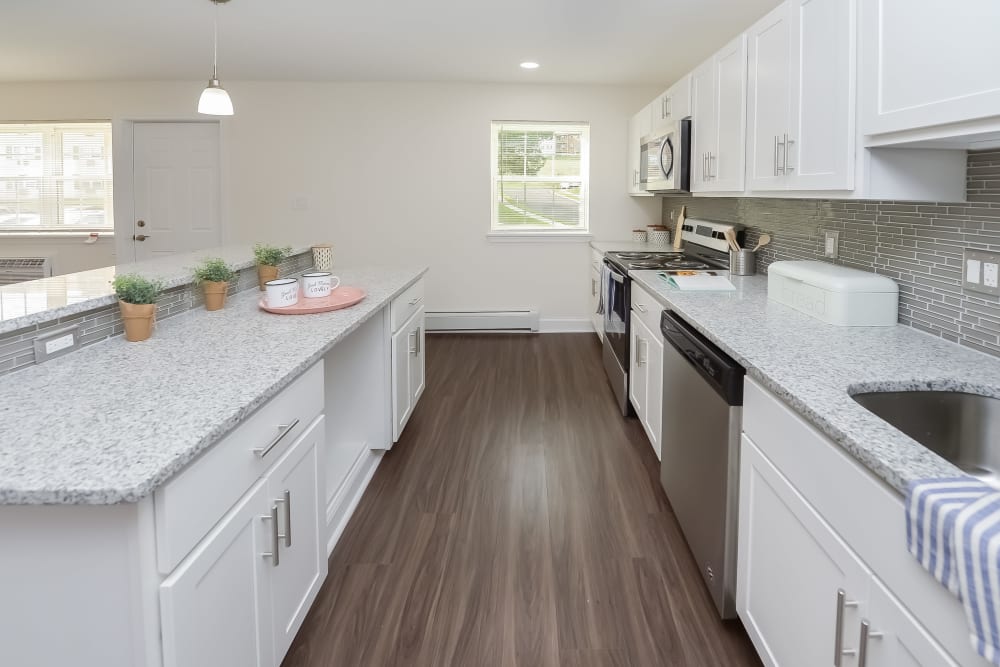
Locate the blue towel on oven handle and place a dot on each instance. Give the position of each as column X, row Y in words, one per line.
column 953, row 530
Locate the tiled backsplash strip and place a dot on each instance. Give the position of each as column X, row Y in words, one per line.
column 919, row 245
column 17, row 347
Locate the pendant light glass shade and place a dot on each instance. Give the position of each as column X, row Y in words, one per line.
column 214, row 100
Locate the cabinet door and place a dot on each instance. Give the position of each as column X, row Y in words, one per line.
column 295, row 486
column 416, row 372
column 767, row 110
column 639, row 126
column 703, row 120
column 728, row 162
column 595, row 296
column 821, row 139
column 901, row 641
column 402, row 406
column 791, row 566
column 637, row 367
column 928, row 62
column 654, row 390
column 215, row 606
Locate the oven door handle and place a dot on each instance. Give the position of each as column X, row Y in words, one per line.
column 616, row 277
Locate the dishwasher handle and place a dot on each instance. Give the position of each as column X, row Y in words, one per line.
column 723, row 373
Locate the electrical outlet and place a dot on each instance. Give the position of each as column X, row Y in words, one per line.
column 981, row 271
column 57, row 343
column 831, row 243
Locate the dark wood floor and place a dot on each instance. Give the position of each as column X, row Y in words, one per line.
column 519, row 521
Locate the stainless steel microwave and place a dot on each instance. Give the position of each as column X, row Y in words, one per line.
column 665, row 162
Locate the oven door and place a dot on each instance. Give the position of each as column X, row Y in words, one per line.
column 616, row 312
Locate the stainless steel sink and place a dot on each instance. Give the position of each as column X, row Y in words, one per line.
column 961, row 428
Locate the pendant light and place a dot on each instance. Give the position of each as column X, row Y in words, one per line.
column 214, row 99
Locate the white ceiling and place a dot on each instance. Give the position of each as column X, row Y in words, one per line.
column 576, row 41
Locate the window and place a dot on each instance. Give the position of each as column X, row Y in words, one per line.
column 540, row 177
column 55, row 177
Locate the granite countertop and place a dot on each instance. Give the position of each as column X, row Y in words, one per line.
column 815, row 367
column 48, row 299
column 111, row 422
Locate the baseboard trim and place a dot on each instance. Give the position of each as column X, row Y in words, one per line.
column 341, row 507
column 565, row 325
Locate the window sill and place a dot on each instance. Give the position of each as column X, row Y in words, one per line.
column 539, row 237
column 57, row 234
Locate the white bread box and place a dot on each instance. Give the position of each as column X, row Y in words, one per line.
column 835, row 294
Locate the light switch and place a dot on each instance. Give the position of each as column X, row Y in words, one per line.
column 990, row 274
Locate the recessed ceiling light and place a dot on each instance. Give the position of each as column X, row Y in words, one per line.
column 529, row 65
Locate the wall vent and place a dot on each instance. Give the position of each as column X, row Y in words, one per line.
column 20, row 269
column 523, row 320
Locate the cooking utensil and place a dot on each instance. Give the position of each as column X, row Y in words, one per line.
column 730, row 235
column 764, row 240
column 679, row 228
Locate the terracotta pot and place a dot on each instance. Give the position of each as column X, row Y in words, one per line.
column 138, row 319
column 266, row 272
column 215, row 294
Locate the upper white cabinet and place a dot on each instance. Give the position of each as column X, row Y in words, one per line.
column 927, row 63
column 674, row 104
column 801, row 104
column 638, row 126
column 718, row 114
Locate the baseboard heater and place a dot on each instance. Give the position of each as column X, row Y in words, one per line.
column 525, row 320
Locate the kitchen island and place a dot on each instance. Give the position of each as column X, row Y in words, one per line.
column 151, row 491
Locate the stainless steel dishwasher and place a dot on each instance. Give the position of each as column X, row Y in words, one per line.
column 700, row 464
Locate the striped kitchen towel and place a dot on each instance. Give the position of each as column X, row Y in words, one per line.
column 953, row 530
column 977, row 557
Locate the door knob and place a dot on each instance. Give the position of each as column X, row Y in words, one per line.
column 140, row 237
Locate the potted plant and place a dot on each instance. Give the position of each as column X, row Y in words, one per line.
column 137, row 300
column 213, row 274
column 268, row 257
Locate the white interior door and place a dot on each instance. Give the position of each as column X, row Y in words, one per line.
column 175, row 176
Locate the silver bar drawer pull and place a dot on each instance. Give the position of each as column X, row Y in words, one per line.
column 838, row 638
column 261, row 452
column 866, row 634
column 418, row 341
column 286, row 502
column 414, row 301
column 273, row 554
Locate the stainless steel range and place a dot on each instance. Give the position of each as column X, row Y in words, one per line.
column 704, row 249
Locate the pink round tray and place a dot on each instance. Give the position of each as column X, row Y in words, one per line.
column 342, row 297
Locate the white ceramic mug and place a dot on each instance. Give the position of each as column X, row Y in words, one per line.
column 318, row 284
column 282, row 292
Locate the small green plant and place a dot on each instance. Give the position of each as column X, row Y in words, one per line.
column 133, row 288
column 269, row 255
column 213, row 270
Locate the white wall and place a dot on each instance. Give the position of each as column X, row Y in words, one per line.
column 390, row 173
column 68, row 255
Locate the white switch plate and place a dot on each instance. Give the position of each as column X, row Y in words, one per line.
column 831, row 243
column 981, row 271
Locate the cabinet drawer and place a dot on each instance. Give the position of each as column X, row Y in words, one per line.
column 192, row 502
column 646, row 309
column 865, row 513
column 407, row 303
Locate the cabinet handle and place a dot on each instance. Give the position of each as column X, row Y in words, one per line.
column 411, row 347
column 788, row 145
column 780, row 168
column 775, row 155
column 866, row 634
column 711, row 165
column 838, row 638
column 414, row 302
column 641, row 308
column 638, row 359
column 261, row 452
column 593, row 287
column 416, row 342
column 286, row 502
column 275, row 537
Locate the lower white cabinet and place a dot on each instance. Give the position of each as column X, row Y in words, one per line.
column 823, row 575
column 646, row 378
column 407, row 370
column 239, row 598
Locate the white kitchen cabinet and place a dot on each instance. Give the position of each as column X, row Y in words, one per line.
column 646, row 365
column 239, row 598
column 214, row 607
column 718, row 111
column 639, row 126
column 812, row 522
column 596, row 262
column 801, row 97
column 673, row 104
column 407, row 370
column 793, row 572
column 927, row 63
column 295, row 487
